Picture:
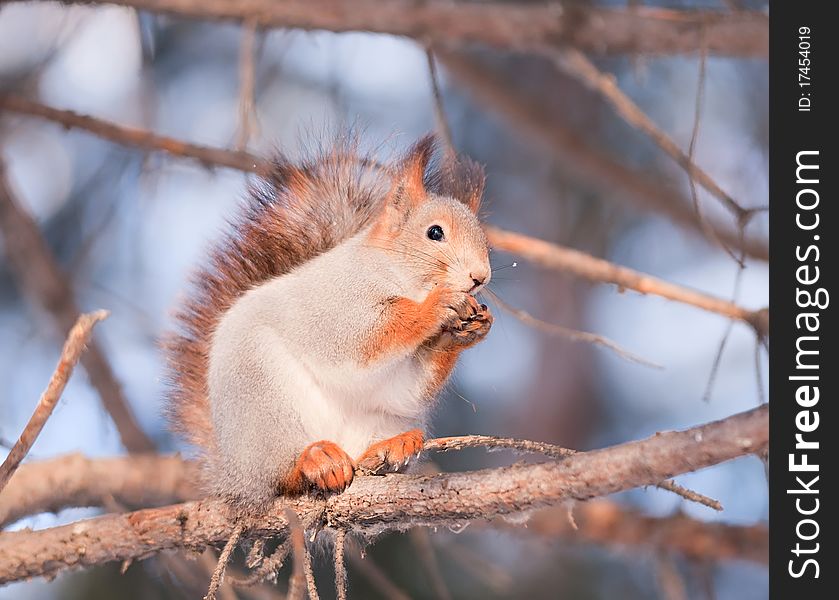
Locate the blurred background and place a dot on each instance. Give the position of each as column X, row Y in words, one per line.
column 128, row 227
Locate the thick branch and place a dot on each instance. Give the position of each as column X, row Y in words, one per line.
column 75, row 480
column 588, row 167
column 391, row 502
column 41, row 278
column 537, row 28
column 596, row 269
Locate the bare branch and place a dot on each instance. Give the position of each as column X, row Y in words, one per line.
column 218, row 573
column 74, row 480
column 587, row 166
column 41, row 278
column 447, row 444
column 688, row 494
column 532, row 27
column 574, row 335
column 70, row 354
column 575, row 64
column 589, row 267
column 134, row 136
column 391, row 502
column 340, row 566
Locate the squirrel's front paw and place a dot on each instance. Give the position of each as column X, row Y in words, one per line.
column 322, row 466
column 392, row 454
column 468, row 329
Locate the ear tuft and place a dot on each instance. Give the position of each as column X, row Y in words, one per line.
column 461, row 178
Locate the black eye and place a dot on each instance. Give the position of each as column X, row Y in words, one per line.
column 435, row 232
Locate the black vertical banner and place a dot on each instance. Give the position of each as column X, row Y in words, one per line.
column 804, row 419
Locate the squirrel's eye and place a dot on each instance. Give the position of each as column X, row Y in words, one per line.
column 435, row 232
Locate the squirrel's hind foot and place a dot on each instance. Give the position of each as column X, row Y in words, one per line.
column 322, row 466
column 393, row 454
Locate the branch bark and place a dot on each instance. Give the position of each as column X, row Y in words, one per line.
column 375, row 504
column 41, row 278
column 74, row 480
column 538, row 28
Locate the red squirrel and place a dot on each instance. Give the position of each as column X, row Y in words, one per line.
column 316, row 338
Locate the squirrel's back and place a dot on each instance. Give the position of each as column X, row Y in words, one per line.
column 296, row 213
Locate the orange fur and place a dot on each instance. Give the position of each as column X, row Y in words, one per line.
column 323, row 466
column 392, row 454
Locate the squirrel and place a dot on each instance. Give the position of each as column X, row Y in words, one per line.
column 315, row 339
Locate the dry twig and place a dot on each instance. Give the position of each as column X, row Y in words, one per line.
column 70, row 354
column 575, row 64
column 135, row 136
column 40, row 277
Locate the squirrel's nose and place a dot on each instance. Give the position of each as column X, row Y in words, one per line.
column 477, row 280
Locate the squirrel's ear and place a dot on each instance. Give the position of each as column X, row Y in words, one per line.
column 409, row 188
column 413, row 168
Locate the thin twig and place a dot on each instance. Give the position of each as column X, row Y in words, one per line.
column 439, row 109
column 269, row 567
column 688, row 494
column 224, row 558
column 340, row 566
column 297, row 583
column 135, row 136
column 447, row 444
column 575, row 64
column 247, row 84
column 710, row 233
column 572, row 334
column 70, row 354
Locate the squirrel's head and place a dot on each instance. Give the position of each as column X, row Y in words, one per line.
column 429, row 220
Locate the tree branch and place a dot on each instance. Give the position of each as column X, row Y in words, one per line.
column 73, row 348
column 74, row 480
column 535, row 27
column 41, row 278
column 375, row 504
column 135, row 136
